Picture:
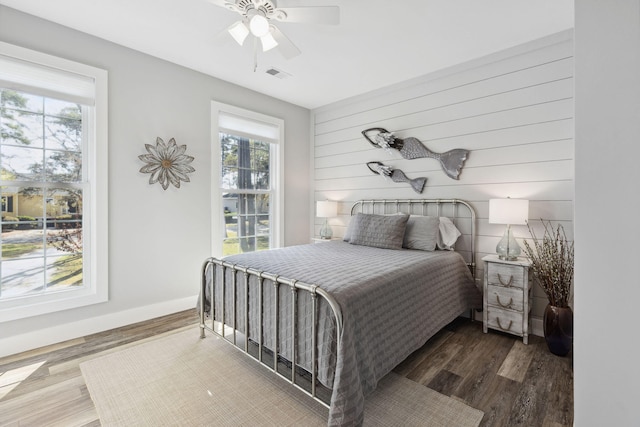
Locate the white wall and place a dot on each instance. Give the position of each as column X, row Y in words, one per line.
column 607, row 63
column 158, row 239
column 512, row 110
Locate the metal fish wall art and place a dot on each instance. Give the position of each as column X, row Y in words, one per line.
column 396, row 175
column 411, row 148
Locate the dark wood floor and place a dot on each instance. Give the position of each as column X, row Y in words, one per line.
column 511, row 383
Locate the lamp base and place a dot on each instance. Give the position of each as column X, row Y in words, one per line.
column 325, row 231
column 508, row 249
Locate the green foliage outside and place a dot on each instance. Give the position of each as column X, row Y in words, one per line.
column 231, row 245
column 68, row 271
column 9, row 223
column 14, row 250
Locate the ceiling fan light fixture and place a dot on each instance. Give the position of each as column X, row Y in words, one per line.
column 239, row 32
column 258, row 25
column 268, row 42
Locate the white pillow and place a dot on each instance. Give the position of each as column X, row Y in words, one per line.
column 448, row 235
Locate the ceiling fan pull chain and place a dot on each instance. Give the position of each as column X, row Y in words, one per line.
column 255, row 54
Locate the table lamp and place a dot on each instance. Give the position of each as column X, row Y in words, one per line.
column 326, row 209
column 509, row 212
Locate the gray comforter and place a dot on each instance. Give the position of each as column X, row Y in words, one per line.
column 392, row 302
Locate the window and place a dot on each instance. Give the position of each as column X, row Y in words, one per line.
column 7, row 204
column 246, row 164
column 52, row 184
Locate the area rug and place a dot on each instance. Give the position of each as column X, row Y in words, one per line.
column 182, row 380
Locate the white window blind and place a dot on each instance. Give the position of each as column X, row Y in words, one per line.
column 249, row 128
column 22, row 70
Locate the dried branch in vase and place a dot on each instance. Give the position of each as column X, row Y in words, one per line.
column 552, row 262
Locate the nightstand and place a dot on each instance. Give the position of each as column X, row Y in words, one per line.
column 507, row 296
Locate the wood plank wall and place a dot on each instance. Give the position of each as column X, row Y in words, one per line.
column 512, row 110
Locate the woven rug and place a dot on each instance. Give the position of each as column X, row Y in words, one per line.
column 182, row 380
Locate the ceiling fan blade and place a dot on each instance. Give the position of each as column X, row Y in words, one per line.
column 311, row 14
column 220, row 3
column 286, row 47
column 227, row 4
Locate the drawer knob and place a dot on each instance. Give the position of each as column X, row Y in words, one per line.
column 507, row 305
column 507, row 284
column 502, row 327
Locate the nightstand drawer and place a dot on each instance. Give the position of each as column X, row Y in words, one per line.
column 502, row 297
column 505, row 320
column 505, row 275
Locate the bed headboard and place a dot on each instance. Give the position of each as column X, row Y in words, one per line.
column 461, row 213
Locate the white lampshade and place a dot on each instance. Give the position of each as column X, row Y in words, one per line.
column 508, row 211
column 326, row 209
column 239, row 32
column 268, row 42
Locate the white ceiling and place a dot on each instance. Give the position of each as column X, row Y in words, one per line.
column 376, row 44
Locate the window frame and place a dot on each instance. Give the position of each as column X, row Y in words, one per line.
column 95, row 203
column 276, row 174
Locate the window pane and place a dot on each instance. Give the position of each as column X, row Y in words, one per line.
column 261, row 165
column 63, row 133
column 26, row 203
column 22, row 276
column 247, row 222
column 229, row 178
column 245, row 163
column 21, row 163
column 64, row 166
column 64, row 223
column 21, row 101
column 22, row 239
column 21, row 119
column 23, row 128
column 64, row 272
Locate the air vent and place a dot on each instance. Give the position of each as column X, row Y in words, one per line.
column 277, row 73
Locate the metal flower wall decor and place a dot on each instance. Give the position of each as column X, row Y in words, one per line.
column 167, row 163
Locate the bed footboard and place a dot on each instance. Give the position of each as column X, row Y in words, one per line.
column 224, row 323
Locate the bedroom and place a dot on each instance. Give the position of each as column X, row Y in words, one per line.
column 172, row 234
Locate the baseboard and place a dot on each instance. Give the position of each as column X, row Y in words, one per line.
column 92, row 325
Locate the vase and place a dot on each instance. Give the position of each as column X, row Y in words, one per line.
column 558, row 329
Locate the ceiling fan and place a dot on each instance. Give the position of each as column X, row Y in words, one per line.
column 258, row 16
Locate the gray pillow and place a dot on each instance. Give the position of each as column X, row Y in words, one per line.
column 421, row 233
column 378, row 231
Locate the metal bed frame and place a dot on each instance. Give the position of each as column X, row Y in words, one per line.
column 295, row 286
column 229, row 332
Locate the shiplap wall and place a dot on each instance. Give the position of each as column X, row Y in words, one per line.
column 512, row 110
